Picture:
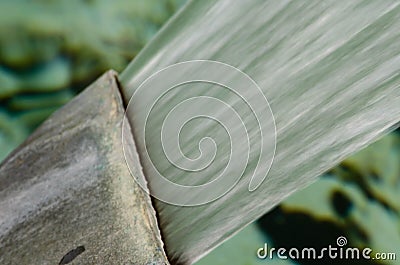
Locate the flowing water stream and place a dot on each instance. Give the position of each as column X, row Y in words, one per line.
column 235, row 105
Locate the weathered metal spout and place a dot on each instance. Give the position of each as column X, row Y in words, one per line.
column 67, row 196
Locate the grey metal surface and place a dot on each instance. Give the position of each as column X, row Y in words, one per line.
column 66, row 194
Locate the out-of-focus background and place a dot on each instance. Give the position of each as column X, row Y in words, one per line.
column 51, row 50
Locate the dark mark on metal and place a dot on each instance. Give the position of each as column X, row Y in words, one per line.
column 70, row 256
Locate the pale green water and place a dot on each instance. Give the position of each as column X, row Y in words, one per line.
column 330, row 71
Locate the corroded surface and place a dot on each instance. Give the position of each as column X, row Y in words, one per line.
column 66, row 194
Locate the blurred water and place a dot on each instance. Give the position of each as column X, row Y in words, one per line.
column 329, row 70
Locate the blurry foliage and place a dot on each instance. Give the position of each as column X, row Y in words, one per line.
column 52, row 49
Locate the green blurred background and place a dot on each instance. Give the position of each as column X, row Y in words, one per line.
column 51, row 50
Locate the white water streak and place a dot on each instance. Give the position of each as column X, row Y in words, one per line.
column 330, row 71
